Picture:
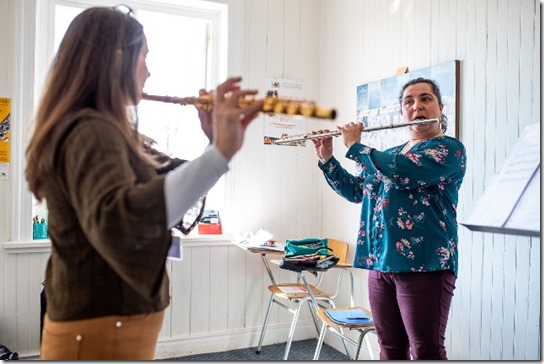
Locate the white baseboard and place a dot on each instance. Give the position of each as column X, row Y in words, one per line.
column 230, row 340
column 240, row 339
column 222, row 341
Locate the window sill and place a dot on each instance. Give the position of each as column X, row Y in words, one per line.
column 23, row 247
column 44, row 246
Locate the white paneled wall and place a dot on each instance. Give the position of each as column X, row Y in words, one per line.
column 496, row 308
column 219, row 291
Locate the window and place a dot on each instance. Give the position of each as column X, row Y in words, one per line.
column 187, row 53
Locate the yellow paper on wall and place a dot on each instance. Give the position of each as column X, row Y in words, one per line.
column 5, row 110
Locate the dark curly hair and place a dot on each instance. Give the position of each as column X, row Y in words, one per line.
column 436, row 92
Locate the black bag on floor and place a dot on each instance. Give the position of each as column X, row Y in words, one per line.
column 6, row 354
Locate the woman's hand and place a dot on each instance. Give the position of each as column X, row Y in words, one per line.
column 229, row 120
column 323, row 146
column 351, row 133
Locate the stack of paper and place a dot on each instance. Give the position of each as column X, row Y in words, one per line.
column 349, row 316
column 259, row 242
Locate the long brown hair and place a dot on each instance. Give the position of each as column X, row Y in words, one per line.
column 93, row 68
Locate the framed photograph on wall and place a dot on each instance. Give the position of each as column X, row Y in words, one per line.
column 378, row 104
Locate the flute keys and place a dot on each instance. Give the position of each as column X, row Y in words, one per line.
column 268, row 104
column 292, row 107
column 246, row 101
column 307, row 108
column 204, row 102
column 272, row 104
column 280, row 106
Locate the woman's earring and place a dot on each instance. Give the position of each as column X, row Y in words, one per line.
column 443, row 124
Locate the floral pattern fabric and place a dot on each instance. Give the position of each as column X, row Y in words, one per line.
column 408, row 217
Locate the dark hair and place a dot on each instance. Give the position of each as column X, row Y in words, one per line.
column 94, row 68
column 436, row 91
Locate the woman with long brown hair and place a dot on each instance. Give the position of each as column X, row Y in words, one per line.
column 110, row 212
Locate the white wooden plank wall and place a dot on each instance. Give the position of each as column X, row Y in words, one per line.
column 217, row 301
column 219, row 294
column 496, row 308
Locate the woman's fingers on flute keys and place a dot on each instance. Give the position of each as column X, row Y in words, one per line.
column 227, row 87
column 351, row 133
column 231, row 120
column 244, row 114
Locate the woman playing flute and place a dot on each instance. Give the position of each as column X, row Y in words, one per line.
column 110, row 212
column 408, row 229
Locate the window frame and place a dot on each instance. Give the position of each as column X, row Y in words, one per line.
column 33, row 39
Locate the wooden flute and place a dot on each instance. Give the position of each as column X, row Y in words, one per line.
column 312, row 135
column 271, row 105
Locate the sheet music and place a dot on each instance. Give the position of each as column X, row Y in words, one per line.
column 527, row 212
column 512, row 198
column 259, row 239
column 257, row 242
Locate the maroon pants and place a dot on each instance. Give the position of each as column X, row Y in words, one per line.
column 410, row 312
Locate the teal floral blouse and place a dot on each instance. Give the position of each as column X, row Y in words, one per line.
column 408, row 217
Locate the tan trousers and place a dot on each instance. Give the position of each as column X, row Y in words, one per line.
column 105, row 338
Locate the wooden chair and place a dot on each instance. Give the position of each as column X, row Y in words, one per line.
column 292, row 296
column 338, row 329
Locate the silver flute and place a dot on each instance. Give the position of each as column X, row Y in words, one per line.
column 312, row 135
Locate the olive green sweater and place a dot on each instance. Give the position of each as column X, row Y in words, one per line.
column 107, row 225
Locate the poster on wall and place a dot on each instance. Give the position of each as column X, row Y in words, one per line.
column 276, row 125
column 5, row 111
column 378, row 104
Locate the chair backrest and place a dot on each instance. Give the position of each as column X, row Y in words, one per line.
column 339, row 248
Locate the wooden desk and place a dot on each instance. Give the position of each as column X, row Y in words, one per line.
column 263, row 253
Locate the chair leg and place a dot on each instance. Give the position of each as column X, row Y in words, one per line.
column 368, row 346
column 345, row 344
column 324, row 329
column 360, row 343
column 310, row 307
column 265, row 324
column 295, row 319
column 292, row 329
column 313, row 310
column 331, row 302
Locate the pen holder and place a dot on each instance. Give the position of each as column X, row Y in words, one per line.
column 39, row 230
